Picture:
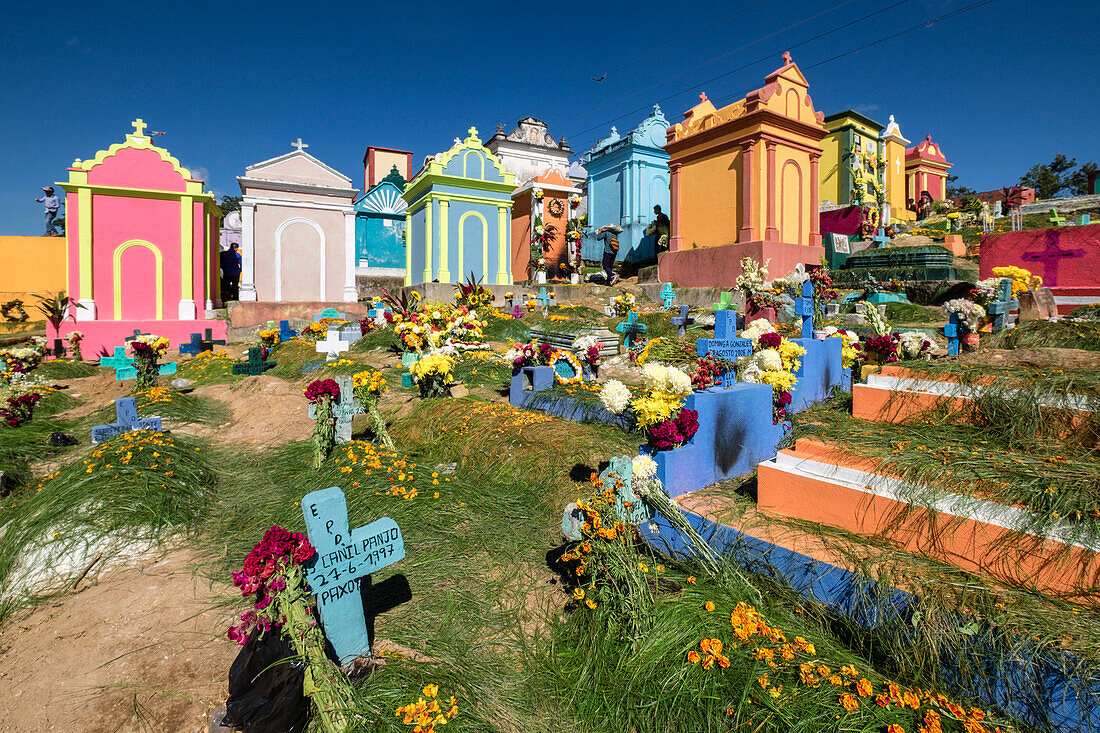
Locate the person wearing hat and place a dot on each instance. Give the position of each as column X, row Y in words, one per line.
column 52, row 204
column 608, row 234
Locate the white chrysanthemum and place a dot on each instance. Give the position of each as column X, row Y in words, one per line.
column 757, row 328
column 615, row 396
column 655, row 375
column 643, row 467
column 512, row 354
column 768, row 360
column 912, row 343
column 677, row 382
column 584, row 343
column 751, row 373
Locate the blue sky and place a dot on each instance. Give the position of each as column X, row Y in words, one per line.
column 1000, row 87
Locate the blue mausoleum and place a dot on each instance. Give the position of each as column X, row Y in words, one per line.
column 380, row 228
column 627, row 177
column 459, row 218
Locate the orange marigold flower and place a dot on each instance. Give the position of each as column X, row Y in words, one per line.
column 691, row 579
column 693, row 656
column 762, row 681
column 849, row 701
column 895, row 728
column 836, row 681
column 864, row 688
column 709, row 605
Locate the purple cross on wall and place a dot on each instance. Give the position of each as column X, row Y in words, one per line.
column 1050, row 256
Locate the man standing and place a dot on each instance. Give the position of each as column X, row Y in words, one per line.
column 608, row 234
column 662, row 227
column 230, row 261
column 52, row 204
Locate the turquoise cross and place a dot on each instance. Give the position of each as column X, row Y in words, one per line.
column 951, row 331
column 631, row 328
column 667, row 295
column 880, row 239
column 343, row 558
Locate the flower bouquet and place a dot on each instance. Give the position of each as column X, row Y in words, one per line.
column 369, row 387
column 75, row 337
column 269, row 337
column 323, row 393
column 623, row 303
column 273, row 574
column 659, row 413
column 587, row 349
column 147, row 350
column 851, row 350
column 529, row 354
column 824, row 292
column 773, row 362
column 22, row 360
column 433, row 374
column 970, row 313
column 19, row 409
column 574, row 201
column 1022, row 280
column 473, row 294
column 914, row 345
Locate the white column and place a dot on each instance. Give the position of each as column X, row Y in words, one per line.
column 248, row 252
column 351, row 293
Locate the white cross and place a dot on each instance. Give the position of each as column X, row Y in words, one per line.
column 298, row 144
column 332, row 346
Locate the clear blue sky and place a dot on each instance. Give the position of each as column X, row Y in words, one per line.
column 1001, row 87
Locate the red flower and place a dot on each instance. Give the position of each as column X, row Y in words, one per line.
column 317, row 389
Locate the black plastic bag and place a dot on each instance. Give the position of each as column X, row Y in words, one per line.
column 265, row 688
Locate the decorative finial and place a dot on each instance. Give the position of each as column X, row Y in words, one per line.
column 473, row 132
column 139, row 127
column 298, row 144
column 614, row 130
column 702, row 97
column 500, row 128
column 457, row 141
column 786, row 57
column 891, row 119
column 928, row 138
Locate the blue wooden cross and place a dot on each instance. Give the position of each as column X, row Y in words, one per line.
column 1003, row 306
column 127, row 420
column 725, row 344
column 328, row 313
column 1056, row 219
column 255, row 364
column 804, row 307
column 199, row 343
column 137, row 332
column 343, row 410
column 344, row 558
column 667, row 295
column 630, row 328
column 543, row 298
column 684, row 320
column 880, row 239
column 951, row 331
column 286, row 333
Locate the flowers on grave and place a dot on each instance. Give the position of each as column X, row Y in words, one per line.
column 880, row 349
column 970, row 313
column 985, row 291
column 269, row 337
column 623, row 303
column 19, row 409
column 75, row 337
column 615, row 397
column 757, row 328
column 538, row 193
column 21, row 360
column 1022, row 280
column 674, row 432
column 368, row 324
column 658, row 412
column 473, row 294
column 529, row 354
column 914, row 345
column 709, row 370
column 643, row 467
column 875, row 320
column 774, row 361
column 369, row 386
column 752, row 277
column 425, row 715
column 559, row 355
column 587, row 349
column 147, row 350
column 851, row 350
column 433, row 373
column 824, row 292
column 272, row 574
column 574, row 201
column 323, row 393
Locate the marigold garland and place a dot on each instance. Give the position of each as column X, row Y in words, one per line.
column 566, row 356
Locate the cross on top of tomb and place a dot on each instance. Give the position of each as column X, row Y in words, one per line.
column 299, row 144
column 725, row 344
column 1002, row 308
column 702, row 97
column 543, row 298
column 725, row 302
column 518, row 311
column 139, row 127
column 880, row 239
column 345, row 556
column 951, row 331
column 286, row 333
column 343, row 410
column 255, row 364
column 667, row 295
column 683, row 320
column 804, row 307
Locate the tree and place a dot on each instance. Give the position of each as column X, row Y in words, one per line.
column 229, row 203
column 1058, row 177
column 955, row 192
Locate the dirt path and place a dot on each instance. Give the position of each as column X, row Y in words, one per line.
column 143, row 649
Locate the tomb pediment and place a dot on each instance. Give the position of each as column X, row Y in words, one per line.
column 297, row 167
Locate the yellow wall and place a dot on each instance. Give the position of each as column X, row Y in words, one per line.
column 31, row 265
column 829, row 176
column 710, row 200
column 895, row 181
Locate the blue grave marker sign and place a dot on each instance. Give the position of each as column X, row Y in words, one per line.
column 122, row 364
column 343, row 558
column 631, row 329
column 880, row 239
column 725, row 344
column 126, row 420
column 804, row 307
column 1003, row 306
column 343, row 411
column 667, row 295
column 683, row 320
column 951, row 331
column 255, row 364
column 286, row 333
column 327, row 313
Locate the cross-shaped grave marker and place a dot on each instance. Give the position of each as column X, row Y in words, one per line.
column 951, row 331
column 631, row 329
column 137, row 332
column 1056, row 219
column 332, row 346
column 543, row 299
column 343, row 410
column 725, row 302
column 725, row 344
column 126, row 421
column 328, row 313
column 880, row 239
column 804, row 307
column 255, row 364
column 286, row 333
column 343, row 558
column 667, row 295
column 683, row 320
column 1051, row 256
column 201, row 342
column 351, row 332
column 1002, row 308
column 519, row 311
column 122, row 364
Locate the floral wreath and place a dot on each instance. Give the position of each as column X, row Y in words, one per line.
column 567, row 356
column 556, row 208
column 14, row 305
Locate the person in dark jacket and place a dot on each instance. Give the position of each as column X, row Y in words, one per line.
column 230, row 261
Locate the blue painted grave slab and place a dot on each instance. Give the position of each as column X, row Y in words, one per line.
column 820, row 370
column 631, row 329
column 286, row 333
column 328, row 313
column 887, row 298
column 343, row 410
column 255, row 364
column 351, row 333
column 725, row 344
column 682, row 321
column 951, row 331
column 804, row 308
column 667, row 295
column 343, row 558
column 526, row 392
column 735, row 433
column 126, row 420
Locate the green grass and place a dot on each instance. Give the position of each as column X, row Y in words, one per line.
column 913, row 313
column 28, row 443
column 1039, row 334
column 502, row 327
column 291, row 356
column 385, row 340
column 209, row 367
column 65, row 369
column 476, row 371
column 172, row 407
